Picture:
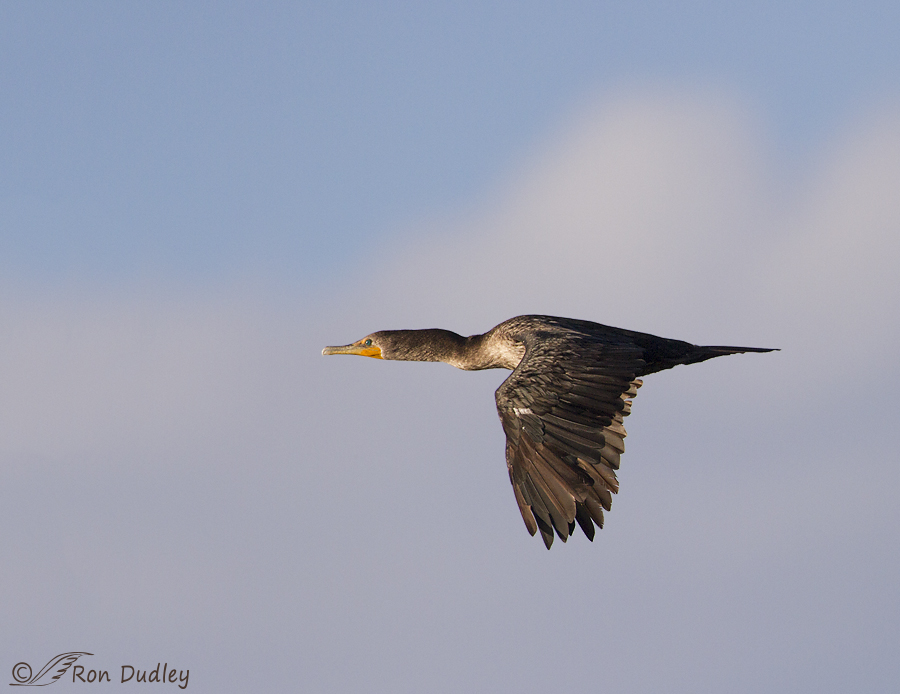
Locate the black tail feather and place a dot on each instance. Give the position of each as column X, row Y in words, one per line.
column 709, row 352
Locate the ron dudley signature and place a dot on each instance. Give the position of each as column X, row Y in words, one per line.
column 57, row 667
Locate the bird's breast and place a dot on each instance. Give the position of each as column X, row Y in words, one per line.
column 504, row 352
column 489, row 352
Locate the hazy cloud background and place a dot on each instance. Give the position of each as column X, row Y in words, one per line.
column 196, row 200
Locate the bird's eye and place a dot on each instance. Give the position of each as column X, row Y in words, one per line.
column 367, row 343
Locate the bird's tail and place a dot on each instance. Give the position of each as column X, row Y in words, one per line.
column 709, row 352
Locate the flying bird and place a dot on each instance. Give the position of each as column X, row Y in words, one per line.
column 562, row 407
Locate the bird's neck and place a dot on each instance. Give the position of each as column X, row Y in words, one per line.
column 424, row 345
column 492, row 350
column 470, row 353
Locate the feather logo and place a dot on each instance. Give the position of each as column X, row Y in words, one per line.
column 55, row 668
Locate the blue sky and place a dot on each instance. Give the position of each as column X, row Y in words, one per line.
column 206, row 141
column 195, row 199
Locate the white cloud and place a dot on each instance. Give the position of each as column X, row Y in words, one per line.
column 833, row 271
column 668, row 213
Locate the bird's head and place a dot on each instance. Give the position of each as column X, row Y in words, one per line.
column 369, row 346
column 405, row 345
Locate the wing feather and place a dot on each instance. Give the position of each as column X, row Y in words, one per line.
column 583, row 516
column 524, row 507
column 562, row 409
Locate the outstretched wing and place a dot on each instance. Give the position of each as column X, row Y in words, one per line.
column 562, row 409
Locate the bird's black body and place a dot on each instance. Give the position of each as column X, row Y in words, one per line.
column 562, row 408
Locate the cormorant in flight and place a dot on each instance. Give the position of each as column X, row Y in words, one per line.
column 562, row 407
